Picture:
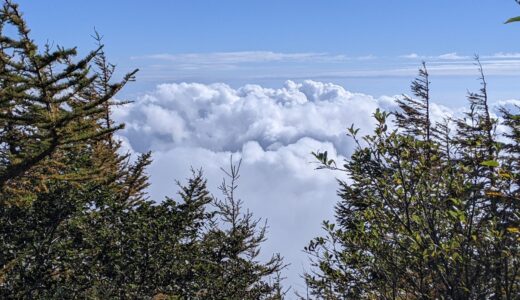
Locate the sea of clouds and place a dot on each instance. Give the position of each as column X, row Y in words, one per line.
column 273, row 131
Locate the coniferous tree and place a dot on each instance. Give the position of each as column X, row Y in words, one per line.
column 233, row 245
column 75, row 220
column 424, row 218
column 415, row 115
column 58, row 164
column 48, row 111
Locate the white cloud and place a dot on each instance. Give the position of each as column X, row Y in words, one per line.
column 280, row 186
column 238, row 57
column 411, row 56
column 453, row 64
column 253, row 66
column 452, row 56
column 367, row 57
column 501, row 55
column 221, row 118
column 446, row 56
column 272, row 130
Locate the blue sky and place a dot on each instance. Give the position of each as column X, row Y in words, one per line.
column 230, row 77
column 357, row 28
column 352, row 43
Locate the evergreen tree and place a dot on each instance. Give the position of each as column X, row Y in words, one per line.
column 414, row 117
column 75, row 220
column 48, row 112
column 233, row 245
column 59, row 163
column 424, row 218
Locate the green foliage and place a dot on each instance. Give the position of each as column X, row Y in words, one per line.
column 235, row 245
column 511, row 20
column 75, row 221
column 429, row 211
column 323, row 159
column 515, row 19
column 49, row 108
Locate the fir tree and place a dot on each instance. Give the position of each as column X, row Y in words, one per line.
column 233, row 245
column 415, row 115
column 47, row 111
column 424, row 218
column 75, row 220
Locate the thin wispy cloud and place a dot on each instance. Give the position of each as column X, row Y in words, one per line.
column 266, row 65
column 240, row 57
column 446, row 56
column 411, row 56
column 500, row 55
column 452, row 56
column 367, row 57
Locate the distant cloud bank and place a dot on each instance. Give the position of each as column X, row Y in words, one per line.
column 222, row 118
column 273, row 130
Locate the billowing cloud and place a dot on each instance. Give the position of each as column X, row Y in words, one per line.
column 221, row 118
column 273, row 131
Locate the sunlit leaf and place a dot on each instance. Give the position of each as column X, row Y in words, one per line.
column 490, row 163
column 515, row 19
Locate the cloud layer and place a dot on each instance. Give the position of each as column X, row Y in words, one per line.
column 221, row 118
column 272, row 130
